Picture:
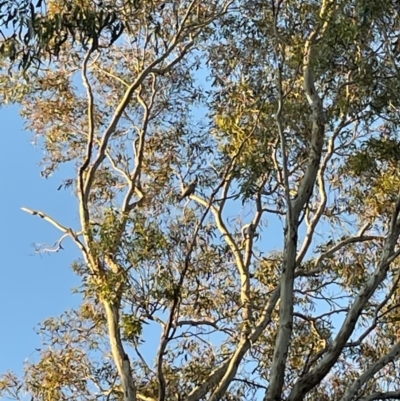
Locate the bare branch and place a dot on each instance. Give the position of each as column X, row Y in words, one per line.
column 44, row 216
column 68, row 231
column 57, row 246
column 144, row 398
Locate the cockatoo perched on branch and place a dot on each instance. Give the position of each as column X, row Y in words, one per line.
column 189, row 190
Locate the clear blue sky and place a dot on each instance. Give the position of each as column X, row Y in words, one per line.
column 33, row 287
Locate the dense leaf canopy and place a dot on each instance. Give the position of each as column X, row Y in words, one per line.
column 276, row 276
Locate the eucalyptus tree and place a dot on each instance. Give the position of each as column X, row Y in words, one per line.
column 236, row 174
column 34, row 31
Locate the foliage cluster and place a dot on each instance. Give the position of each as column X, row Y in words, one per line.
column 278, row 278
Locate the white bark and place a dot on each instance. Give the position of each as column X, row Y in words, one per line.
column 295, row 208
column 314, row 376
column 120, row 357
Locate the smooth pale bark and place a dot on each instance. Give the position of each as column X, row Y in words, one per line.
column 184, row 38
column 120, row 357
column 305, row 191
column 316, row 375
column 223, row 375
column 368, row 374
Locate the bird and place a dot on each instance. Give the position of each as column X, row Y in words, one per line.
column 189, row 190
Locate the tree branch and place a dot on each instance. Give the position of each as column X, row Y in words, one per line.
column 389, row 395
column 369, row 373
column 56, row 224
column 309, row 380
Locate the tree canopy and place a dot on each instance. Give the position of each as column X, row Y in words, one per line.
column 274, row 274
column 33, row 33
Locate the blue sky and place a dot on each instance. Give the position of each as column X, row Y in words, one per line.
column 33, row 287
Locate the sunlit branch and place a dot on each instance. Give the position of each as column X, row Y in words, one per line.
column 351, row 392
column 394, row 256
column 318, row 373
column 283, row 145
column 114, row 165
column 275, row 161
column 217, row 212
column 341, row 244
column 126, row 100
column 121, row 359
column 57, row 246
column 227, row 370
column 322, row 337
column 287, row 277
column 139, row 153
column 375, row 320
column 322, row 192
column 145, row 398
column 296, row 205
column 67, row 231
column 251, row 231
column 47, row 218
column 240, row 263
column 111, row 75
column 83, row 204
